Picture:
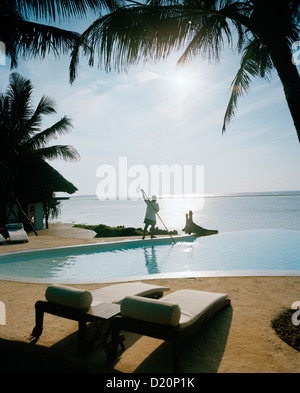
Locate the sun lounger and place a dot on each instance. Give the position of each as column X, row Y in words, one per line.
column 89, row 306
column 16, row 232
column 2, row 240
column 175, row 317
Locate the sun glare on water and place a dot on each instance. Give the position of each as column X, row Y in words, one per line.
column 173, row 210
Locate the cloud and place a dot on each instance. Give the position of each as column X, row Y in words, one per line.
column 147, row 76
column 157, row 115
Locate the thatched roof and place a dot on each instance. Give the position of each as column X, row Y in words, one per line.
column 38, row 180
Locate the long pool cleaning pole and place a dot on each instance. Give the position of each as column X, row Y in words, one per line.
column 159, row 216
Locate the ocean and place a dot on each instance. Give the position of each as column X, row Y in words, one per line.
column 258, row 232
column 225, row 213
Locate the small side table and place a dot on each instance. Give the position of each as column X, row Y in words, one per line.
column 103, row 311
column 102, row 314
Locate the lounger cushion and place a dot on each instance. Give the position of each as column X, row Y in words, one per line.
column 193, row 303
column 117, row 292
column 151, row 310
column 2, row 240
column 15, row 225
column 16, row 232
column 67, row 296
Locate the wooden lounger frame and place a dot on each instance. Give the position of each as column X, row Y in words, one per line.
column 94, row 314
column 168, row 333
column 82, row 317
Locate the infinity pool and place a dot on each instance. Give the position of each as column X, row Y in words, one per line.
column 258, row 252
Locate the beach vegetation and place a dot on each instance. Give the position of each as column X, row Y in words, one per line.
column 108, row 231
column 285, row 329
column 263, row 33
column 26, row 176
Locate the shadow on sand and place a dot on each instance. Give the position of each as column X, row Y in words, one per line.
column 202, row 353
column 22, row 357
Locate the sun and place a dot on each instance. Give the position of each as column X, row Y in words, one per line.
column 181, row 79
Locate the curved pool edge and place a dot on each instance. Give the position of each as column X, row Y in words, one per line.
column 160, row 276
column 127, row 243
column 106, row 245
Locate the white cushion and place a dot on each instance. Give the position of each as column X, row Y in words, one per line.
column 67, row 296
column 117, row 292
column 151, row 310
column 193, row 304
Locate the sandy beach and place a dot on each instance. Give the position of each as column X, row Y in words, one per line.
column 237, row 340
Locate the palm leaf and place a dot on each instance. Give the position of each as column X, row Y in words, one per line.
column 131, row 34
column 142, row 32
column 23, row 37
column 54, row 9
column 45, row 107
column 65, row 152
column 36, row 39
column 40, row 139
column 208, row 40
column 256, row 61
column 18, row 105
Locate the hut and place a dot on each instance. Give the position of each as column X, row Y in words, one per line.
column 34, row 194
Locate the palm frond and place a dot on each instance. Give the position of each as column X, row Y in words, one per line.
column 18, row 104
column 65, row 152
column 36, row 39
column 131, row 34
column 40, row 139
column 23, row 37
column 208, row 41
column 45, row 107
column 19, row 88
column 151, row 31
column 256, row 61
column 61, row 9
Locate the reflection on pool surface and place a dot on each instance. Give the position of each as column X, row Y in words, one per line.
column 255, row 250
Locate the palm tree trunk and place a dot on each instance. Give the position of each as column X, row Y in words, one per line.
column 289, row 77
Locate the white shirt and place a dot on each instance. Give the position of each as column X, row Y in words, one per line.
column 152, row 208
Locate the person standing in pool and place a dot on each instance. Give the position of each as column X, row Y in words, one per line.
column 150, row 216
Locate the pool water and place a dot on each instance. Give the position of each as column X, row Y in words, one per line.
column 263, row 251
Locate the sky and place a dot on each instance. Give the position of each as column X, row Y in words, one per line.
column 160, row 114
